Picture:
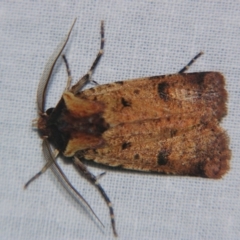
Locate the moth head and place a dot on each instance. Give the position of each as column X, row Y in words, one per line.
column 42, row 124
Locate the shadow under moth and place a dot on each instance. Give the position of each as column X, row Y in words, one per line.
column 166, row 124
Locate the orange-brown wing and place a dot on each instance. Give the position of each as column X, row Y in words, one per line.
column 200, row 150
column 167, row 124
column 169, row 96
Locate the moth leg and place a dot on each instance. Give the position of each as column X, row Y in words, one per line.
column 50, row 156
column 190, row 63
column 68, row 72
column 94, row 180
column 43, row 170
column 87, row 77
column 45, row 167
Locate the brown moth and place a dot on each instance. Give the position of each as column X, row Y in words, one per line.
column 167, row 124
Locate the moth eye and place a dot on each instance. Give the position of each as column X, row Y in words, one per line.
column 49, row 111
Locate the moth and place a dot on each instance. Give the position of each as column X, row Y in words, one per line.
column 167, row 124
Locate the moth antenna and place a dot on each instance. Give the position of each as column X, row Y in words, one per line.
column 87, row 77
column 94, row 180
column 42, row 87
column 190, row 63
column 68, row 72
column 50, row 157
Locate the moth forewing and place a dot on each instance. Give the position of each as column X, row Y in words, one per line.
column 166, row 124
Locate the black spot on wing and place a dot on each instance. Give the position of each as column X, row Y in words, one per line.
column 173, row 132
column 162, row 157
column 125, row 103
column 163, row 90
column 136, row 156
column 126, row 145
column 199, row 78
column 196, row 78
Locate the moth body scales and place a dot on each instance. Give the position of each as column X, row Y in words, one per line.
column 167, row 124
